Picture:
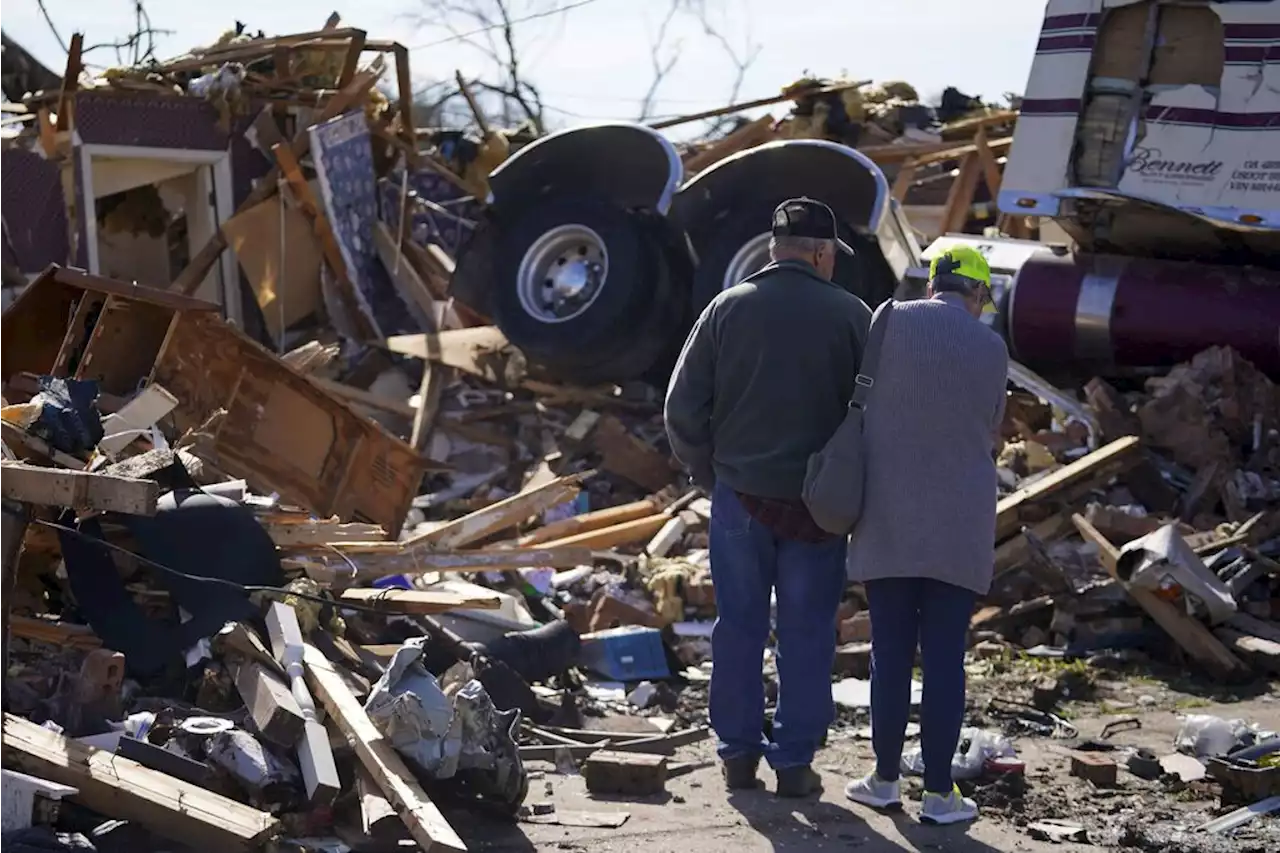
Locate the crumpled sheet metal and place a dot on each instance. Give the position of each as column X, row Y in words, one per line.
column 1146, row 562
column 412, row 711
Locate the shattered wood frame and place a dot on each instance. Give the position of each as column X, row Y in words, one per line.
column 352, row 88
column 282, row 432
column 219, row 164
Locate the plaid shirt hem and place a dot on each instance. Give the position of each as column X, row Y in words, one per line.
column 788, row 519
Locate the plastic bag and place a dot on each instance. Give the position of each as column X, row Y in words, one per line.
column 1206, row 736
column 975, row 747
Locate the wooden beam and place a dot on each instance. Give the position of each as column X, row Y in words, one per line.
column 747, row 136
column 70, row 81
column 65, row 634
column 1066, row 483
column 80, row 490
column 427, row 826
column 419, row 601
column 378, row 817
column 272, row 707
column 314, row 210
column 627, row 533
column 990, row 168
column 404, row 92
column 1189, row 633
column 959, row 203
column 391, row 560
column 124, row 789
column 289, row 530
column 1012, row 552
column 498, row 516
column 671, row 533
column 589, row 521
column 629, row 457
column 351, row 62
column 903, row 180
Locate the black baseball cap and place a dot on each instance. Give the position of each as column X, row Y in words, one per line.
column 804, row 217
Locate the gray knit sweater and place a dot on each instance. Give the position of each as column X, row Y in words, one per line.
column 931, row 417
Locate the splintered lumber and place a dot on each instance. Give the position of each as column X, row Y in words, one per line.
column 629, row 457
column 481, row 351
column 1262, row 653
column 188, row 281
column 498, row 516
column 294, row 530
column 419, row 601
column 81, row 490
column 124, row 789
column 427, row 826
column 627, row 533
column 390, row 560
column 1068, row 482
column 274, row 711
column 1194, row 638
column 589, row 521
column 671, row 534
column 58, row 633
column 1013, row 552
column 378, row 817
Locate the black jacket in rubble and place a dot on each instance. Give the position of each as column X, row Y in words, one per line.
column 764, row 380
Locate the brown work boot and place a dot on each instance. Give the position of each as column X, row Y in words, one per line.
column 798, row 782
column 740, row 773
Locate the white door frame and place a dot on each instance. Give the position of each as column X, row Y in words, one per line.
column 219, row 163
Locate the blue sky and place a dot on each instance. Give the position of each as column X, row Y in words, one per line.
column 593, row 62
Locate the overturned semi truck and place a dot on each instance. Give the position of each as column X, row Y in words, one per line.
column 594, row 255
column 1150, row 132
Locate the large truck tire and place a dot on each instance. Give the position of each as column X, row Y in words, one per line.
column 741, row 248
column 583, row 288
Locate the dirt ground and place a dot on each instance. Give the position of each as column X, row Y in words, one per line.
column 697, row 815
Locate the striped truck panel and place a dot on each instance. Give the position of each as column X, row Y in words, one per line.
column 1188, row 129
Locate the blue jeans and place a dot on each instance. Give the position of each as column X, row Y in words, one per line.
column 747, row 563
column 936, row 614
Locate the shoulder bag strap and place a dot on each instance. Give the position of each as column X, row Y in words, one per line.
column 865, row 379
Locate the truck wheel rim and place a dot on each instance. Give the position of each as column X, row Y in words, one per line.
column 750, row 258
column 562, row 273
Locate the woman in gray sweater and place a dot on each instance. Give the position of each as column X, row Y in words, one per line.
column 924, row 546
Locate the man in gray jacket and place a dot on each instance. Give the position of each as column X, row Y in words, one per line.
column 762, row 383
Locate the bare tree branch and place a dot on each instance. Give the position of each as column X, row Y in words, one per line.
column 53, row 29
column 661, row 67
column 742, row 61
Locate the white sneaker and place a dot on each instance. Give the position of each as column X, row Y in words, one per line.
column 953, row 808
column 875, row 792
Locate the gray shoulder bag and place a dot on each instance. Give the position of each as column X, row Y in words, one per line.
column 834, row 481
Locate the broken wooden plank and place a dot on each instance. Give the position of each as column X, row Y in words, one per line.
column 1189, row 633
column 270, row 704
column 388, row 559
column 313, row 209
column 481, row 351
column 63, row 634
column 427, row 826
column 1013, row 552
column 294, row 530
column 627, row 533
column 124, row 789
column 1264, row 628
column 589, row 521
column 80, row 490
column 378, row 817
column 1261, row 653
column 1067, row 482
column 629, row 457
column 498, row 516
column 671, row 534
column 419, row 601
